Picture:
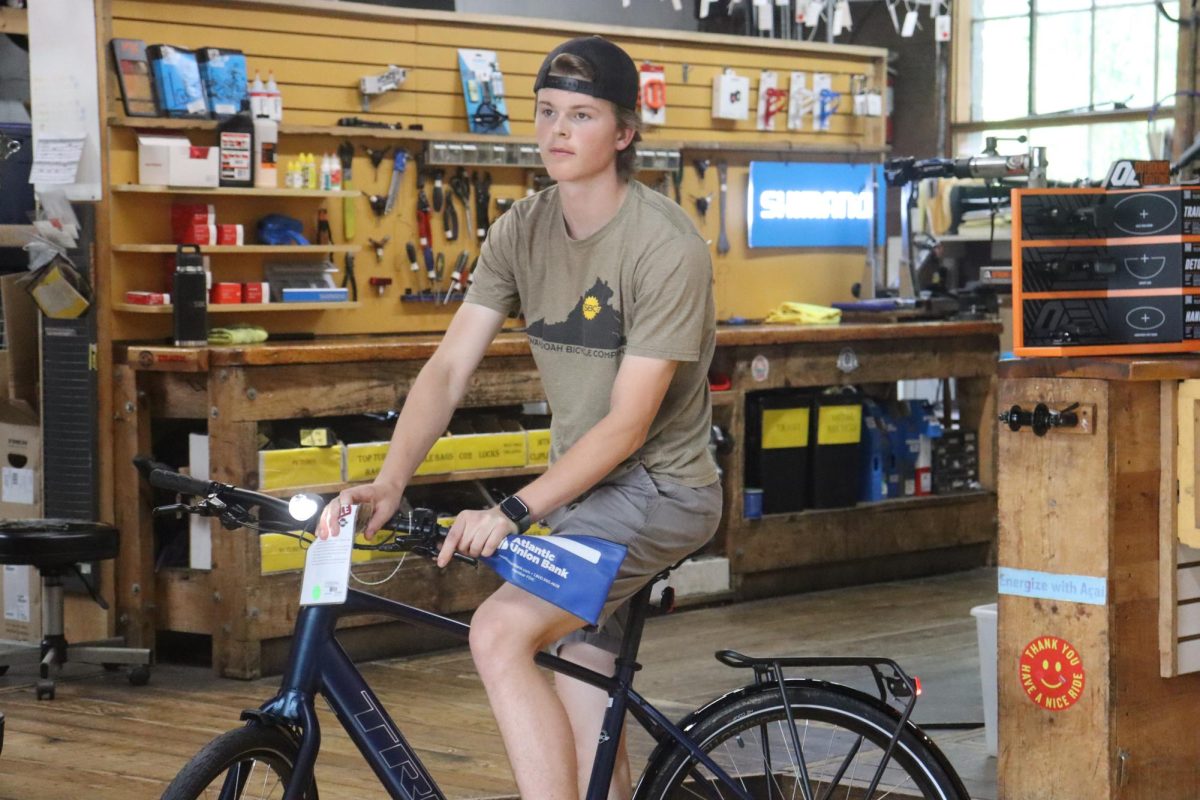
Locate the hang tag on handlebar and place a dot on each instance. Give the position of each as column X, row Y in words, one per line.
column 327, row 564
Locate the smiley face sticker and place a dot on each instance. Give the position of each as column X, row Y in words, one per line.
column 1052, row 673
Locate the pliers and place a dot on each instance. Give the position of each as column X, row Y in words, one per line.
column 461, row 187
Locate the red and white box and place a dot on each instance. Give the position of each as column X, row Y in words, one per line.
column 195, row 234
column 231, row 235
column 223, row 293
column 148, row 298
column 256, row 292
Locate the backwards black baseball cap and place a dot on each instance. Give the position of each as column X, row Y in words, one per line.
column 615, row 75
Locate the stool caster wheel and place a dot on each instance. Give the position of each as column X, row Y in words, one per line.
column 139, row 675
column 45, row 690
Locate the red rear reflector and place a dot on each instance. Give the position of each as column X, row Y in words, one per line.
column 917, row 683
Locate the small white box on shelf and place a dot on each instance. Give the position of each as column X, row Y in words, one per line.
column 731, row 96
column 173, row 161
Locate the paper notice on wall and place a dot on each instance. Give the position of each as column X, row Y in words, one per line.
column 16, row 593
column 56, row 159
column 17, row 486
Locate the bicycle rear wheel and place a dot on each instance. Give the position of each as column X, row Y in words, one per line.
column 251, row 763
column 841, row 738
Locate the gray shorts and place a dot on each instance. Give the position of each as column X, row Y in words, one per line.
column 659, row 521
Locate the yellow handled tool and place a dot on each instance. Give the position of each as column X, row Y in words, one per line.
column 346, row 155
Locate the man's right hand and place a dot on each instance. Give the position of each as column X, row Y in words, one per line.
column 383, row 501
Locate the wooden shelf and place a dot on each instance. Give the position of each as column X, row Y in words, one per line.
column 134, row 188
column 218, row 249
column 14, row 21
column 697, row 146
column 417, row 480
column 233, row 308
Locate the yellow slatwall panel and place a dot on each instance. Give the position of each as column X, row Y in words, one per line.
column 319, row 50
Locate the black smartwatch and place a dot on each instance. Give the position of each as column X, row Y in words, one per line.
column 515, row 509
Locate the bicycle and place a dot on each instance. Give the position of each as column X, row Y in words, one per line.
column 776, row 737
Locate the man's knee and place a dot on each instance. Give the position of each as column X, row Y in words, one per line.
column 502, row 635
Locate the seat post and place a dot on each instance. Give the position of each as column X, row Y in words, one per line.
column 53, row 638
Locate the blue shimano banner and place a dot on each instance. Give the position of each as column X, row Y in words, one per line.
column 793, row 204
column 572, row 572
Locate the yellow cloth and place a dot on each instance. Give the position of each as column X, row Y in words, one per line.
column 805, row 314
column 237, row 334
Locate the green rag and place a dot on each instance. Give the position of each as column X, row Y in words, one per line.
column 237, row 334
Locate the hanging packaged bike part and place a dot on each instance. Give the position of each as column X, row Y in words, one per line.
column 654, row 94
column 177, row 82
column 483, row 91
column 574, row 573
column 224, row 75
column 731, row 96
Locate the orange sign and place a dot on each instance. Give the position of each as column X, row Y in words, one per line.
column 1052, row 673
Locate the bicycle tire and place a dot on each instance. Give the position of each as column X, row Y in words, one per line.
column 268, row 756
column 836, row 768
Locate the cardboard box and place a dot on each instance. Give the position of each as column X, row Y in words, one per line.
column 301, row 466
column 537, row 444
column 173, row 161
column 21, row 588
column 19, row 350
column 20, row 465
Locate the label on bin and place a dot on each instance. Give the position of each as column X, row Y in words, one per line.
column 839, row 424
column 784, row 428
column 1052, row 673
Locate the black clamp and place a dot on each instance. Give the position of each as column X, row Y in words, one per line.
column 1041, row 419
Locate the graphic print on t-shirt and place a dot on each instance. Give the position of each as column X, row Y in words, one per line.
column 593, row 328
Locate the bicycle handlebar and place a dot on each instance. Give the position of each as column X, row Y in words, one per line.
column 423, row 533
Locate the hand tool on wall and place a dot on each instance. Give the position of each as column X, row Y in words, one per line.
column 450, row 219
column 411, row 251
column 483, row 200
column 370, row 85
column 346, row 156
column 378, row 245
column 702, row 204
column 324, row 233
column 376, row 156
column 722, row 237
column 437, row 188
column 677, row 182
column 456, row 277
column 439, row 272
column 701, row 165
column 471, row 276
column 398, row 164
column 378, row 205
column 461, row 187
column 425, row 234
column 349, row 279
column 379, row 285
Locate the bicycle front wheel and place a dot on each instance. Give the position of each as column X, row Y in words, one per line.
column 835, row 739
column 251, row 763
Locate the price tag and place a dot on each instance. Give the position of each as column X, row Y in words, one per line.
column 327, row 564
column 910, row 24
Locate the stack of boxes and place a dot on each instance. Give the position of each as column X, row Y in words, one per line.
column 20, row 453
column 1106, row 272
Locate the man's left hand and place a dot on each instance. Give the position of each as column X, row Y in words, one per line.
column 476, row 533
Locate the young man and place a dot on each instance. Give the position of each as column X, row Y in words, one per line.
column 615, row 286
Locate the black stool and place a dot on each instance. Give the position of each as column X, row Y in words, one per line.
column 55, row 547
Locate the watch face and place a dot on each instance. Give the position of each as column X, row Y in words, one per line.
column 514, row 508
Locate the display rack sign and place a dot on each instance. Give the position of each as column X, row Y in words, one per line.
column 795, row 204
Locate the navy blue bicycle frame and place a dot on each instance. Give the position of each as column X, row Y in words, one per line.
column 318, row 664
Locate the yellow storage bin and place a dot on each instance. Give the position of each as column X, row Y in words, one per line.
column 496, row 444
column 440, row 459
column 301, row 466
column 537, row 447
column 363, row 461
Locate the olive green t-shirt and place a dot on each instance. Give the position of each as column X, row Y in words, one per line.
column 642, row 286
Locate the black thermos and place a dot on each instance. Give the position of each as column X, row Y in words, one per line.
column 191, row 298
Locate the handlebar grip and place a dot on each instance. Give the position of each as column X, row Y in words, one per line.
column 183, row 484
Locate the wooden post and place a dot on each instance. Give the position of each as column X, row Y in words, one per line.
column 135, row 583
column 1086, row 505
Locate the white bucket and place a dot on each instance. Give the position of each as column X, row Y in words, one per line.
column 985, row 629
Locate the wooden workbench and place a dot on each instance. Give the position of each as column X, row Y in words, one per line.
column 1096, row 503
column 235, row 388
